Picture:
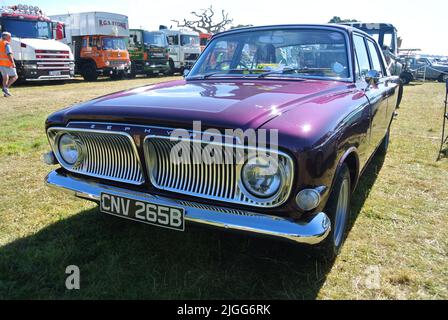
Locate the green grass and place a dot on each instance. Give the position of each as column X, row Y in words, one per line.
column 399, row 227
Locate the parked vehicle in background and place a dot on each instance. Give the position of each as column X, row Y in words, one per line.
column 37, row 55
column 184, row 48
column 297, row 86
column 424, row 68
column 98, row 40
column 386, row 35
column 204, row 38
column 148, row 52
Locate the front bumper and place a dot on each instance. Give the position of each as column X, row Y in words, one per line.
column 39, row 71
column 311, row 231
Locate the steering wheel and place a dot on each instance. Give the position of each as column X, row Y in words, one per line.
column 241, row 64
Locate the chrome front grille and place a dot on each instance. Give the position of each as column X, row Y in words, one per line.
column 219, row 182
column 108, row 155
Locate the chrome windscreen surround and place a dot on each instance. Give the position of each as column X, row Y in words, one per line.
column 220, row 182
column 104, row 154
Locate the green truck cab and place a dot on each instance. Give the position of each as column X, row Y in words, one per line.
column 149, row 52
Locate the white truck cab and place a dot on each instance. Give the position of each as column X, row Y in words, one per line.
column 37, row 55
column 185, row 49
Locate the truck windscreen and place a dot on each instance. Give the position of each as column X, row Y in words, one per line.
column 187, row 40
column 155, row 39
column 28, row 28
column 114, row 44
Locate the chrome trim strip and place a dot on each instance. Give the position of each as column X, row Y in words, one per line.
column 205, row 180
column 311, row 232
column 124, row 165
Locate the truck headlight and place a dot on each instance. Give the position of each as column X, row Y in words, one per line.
column 263, row 177
column 30, row 66
column 69, row 149
column 107, row 63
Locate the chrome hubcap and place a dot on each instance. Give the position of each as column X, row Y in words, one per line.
column 341, row 213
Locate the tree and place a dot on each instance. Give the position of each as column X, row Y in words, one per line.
column 336, row 19
column 204, row 22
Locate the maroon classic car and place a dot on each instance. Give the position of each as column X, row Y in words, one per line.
column 318, row 99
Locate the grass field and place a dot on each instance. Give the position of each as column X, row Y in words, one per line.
column 397, row 248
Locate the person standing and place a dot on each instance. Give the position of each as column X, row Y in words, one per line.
column 7, row 64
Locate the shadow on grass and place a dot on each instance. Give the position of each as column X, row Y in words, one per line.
column 120, row 259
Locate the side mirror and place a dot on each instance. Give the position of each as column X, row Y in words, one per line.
column 373, row 77
column 186, row 73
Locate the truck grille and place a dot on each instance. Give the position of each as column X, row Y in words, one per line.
column 53, row 60
column 107, row 155
column 117, row 63
column 191, row 56
column 211, row 181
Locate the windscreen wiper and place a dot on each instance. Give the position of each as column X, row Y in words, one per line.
column 283, row 71
column 226, row 72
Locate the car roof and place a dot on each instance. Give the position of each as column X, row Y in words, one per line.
column 343, row 28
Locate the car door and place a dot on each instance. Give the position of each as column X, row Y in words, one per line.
column 388, row 83
column 376, row 93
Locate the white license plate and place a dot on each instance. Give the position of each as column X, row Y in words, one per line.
column 55, row 73
column 143, row 211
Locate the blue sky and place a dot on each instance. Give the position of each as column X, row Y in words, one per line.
column 422, row 24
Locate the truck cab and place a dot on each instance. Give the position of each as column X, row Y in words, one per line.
column 37, row 55
column 204, row 39
column 148, row 52
column 184, row 48
column 386, row 35
column 99, row 41
column 106, row 55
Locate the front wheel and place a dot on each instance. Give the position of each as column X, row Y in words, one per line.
column 338, row 210
column 443, row 77
column 89, row 72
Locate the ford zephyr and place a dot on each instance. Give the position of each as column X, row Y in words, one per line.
column 267, row 134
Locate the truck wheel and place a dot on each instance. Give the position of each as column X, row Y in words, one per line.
column 338, row 210
column 131, row 75
column 88, row 71
column 117, row 75
column 172, row 68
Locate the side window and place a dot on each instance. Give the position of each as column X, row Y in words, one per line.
column 173, row 40
column 376, row 62
column 361, row 56
column 91, row 42
column 84, row 43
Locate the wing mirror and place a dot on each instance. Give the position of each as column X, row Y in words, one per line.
column 373, row 77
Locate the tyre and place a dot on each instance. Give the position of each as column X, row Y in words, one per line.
column 406, row 78
column 443, row 77
column 88, row 71
column 338, row 210
column 120, row 75
column 172, row 68
column 132, row 74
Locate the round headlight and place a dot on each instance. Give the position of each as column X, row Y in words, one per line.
column 69, row 149
column 262, row 177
